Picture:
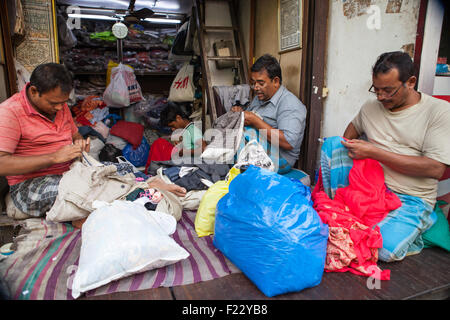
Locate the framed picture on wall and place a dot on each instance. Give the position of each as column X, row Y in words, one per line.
column 289, row 24
column 40, row 44
column 2, row 55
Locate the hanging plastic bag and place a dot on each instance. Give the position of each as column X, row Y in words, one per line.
column 206, row 213
column 254, row 154
column 111, row 65
column 267, row 227
column 116, row 94
column 123, row 88
column 182, row 88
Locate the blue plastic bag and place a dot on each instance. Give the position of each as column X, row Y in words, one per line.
column 137, row 157
column 267, row 227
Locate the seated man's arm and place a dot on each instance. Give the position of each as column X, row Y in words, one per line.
column 78, row 139
column 273, row 134
column 418, row 166
column 16, row 165
column 350, row 132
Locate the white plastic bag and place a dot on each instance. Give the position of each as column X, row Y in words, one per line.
column 253, row 153
column 123, row 88
column 182, row 88
column 123, row 238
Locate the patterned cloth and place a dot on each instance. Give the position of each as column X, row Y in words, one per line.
column 35, row 196
column 46, row 259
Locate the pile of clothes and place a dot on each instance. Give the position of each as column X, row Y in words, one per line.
column 94, row 45
column 94, row 86
column 155, row 60
column 199, row 176
column 110, row 135
column 88, row 59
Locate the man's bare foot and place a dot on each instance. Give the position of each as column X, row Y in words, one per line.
column 157, row 183
column 77, row 224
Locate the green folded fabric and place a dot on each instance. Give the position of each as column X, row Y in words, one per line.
column 105, row 35
column 439, row 234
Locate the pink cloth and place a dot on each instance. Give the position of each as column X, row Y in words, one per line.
column 352, row 216
column 25, row 132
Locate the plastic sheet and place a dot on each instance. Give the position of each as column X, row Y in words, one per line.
column 267, row 227
column 137, row 157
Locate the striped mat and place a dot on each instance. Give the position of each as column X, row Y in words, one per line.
column 46, row 259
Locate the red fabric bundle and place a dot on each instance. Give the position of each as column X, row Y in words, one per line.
column 161, row 150
column 130, row 131
column 352, row 217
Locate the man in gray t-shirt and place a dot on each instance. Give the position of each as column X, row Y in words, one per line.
column 283, row 115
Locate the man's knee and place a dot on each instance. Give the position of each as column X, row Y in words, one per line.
column 386, row 255
column 398, row 239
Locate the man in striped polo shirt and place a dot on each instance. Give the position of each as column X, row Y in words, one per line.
column 39, row 141
column 38, row 138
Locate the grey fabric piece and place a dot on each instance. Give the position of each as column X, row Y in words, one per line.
column 215, row 171
column 117, row 142
column 284, row 111
column 96, row 146
column 233, row 95
column 228, row 131
column 35, row 196
column 150, row 135
column 229, row 120
column 193, row 181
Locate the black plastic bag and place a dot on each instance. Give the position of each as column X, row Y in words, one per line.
column 109, row 153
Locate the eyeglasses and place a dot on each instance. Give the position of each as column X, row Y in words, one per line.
column 256, row 84
column 384, row 92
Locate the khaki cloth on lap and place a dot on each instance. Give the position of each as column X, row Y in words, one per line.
column 86, row 182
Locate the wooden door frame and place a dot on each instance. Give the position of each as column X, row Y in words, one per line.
column 315, row 25
column 419, row 38
column 8, row 50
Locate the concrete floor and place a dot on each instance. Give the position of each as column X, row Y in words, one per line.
column 7, row 229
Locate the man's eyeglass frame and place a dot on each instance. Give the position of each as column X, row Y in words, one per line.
column 372, row 90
